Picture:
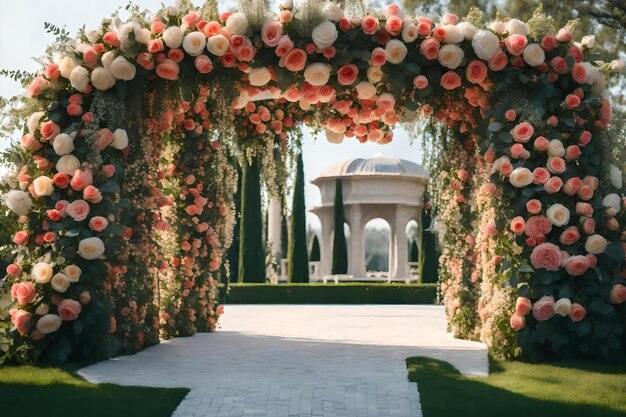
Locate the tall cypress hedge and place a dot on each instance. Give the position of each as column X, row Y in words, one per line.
column 251, row 248
column 340, row 248
column 298, row 270
column 430, row 267
column 314, row 254
column 413, row 251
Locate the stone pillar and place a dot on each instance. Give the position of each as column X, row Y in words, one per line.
column 274, row 228
column 402, row 258
column 356, row 257
column 326, row 242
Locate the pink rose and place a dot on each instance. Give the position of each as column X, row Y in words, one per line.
column 81, row 179
column 476, row 72
column 49, row 130
column 168, row 70
column 570, row 235
column 430, row 48
column 285, row 45
column 104, row 138
column 92, row 194
column 146, row 61
column 347, row 74
column 584, row 209
column 517, row 225
column 572, row 186
column 369, row 24
column 572, row 101
column 20, row 238
column 515, row 44
column 98, row 223
column 553, row 185
column 548, row 43
column 617, row 294
column 155, row 45
column 540, row 175
column 21, row 319
column 78, row 210
column 517, row 322
column 533, row 206
column 577, row 312
column 564, row 35
column 378, row 57
column 572, row 152
column 585, row 193
column 579, row 73
column 490, row 228
column 37, row 86
column 541, row 144
column 285, row 16
column 69, row 309
column 23, row 292
column 450, row 80
column 498, row 61
column 111, row 39
column 108, row 170
column 576, row 265
column 544, row 308
column 295, row 60
column 29, row 142
column 589, row 226
column 546, row 256
column 393, row 25
column 592, row 182
column 556, row 165
column 523, row 306
column 52, row 71
column 559, row 65
column 522, row 132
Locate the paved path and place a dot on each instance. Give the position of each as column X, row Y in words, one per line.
column 289, row 360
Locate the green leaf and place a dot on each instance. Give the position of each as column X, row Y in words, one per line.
column 78, row 327
column 110, row 187
column 525, row 268
column 494, row 127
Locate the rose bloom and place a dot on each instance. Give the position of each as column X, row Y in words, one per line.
column 78, row 210
column 23, row 292
column 515, row 44
column 37, row 86
column 91, row 248
column 584, row 209
column 378, row 57
column 533, row 206
column 92, row 194
column 517, row 322
column 563, row 307
column 41, row 273
column 558, row 214
column 450, row 80
column 578, row 312
column 60, row 283
column 579, row 73
column 576, row 265
column 430, row 48
column 523, row 306
column 21, row 319
column 420, row 82
column 498, row 61
column 553, row 185
column 544, row 308
column 98, row 223
column 20, row 238
column 521, row 177
column 572, row 186
column 541, row 144
column 370, row 25
column 595, row 244
column 540, row 175
column 72, row 272
column 572, row 152
column 547, row 256
column 203, row 64
column 295, row 60
column 617, row 294
column 556, row 165
column 81, row 179
column 168, row 70
column 476, row 72
column 572, row 102
column 517, row 225
column 450, row 56
column 347, row 74
column 585, row 193
column 537, row 226
column 69, row 309
column 522, row 132
column 570, row 235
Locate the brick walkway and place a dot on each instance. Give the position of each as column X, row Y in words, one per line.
column 313, row 361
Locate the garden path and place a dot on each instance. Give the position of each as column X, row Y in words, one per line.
column 299, row 360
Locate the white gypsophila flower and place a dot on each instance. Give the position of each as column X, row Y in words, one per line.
column 324, row 34
column 612, row 201
column 18, row 202
column 615, row 176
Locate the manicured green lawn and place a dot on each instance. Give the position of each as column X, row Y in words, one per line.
column 520, row 389
column 56, row 392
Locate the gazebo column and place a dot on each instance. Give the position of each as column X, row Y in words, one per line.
column 274, row 228
column 356, row 259
column 401, row 246
column 326, row 246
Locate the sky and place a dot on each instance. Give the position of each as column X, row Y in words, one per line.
column 22, row 37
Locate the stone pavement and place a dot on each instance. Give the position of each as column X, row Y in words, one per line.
column 299, row 360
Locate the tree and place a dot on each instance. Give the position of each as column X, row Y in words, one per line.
column 284, row 233
column 430, row 266
column 314, row 253
column 298, row 270
column 414, row 251
column 233, row 252
column 251, row 248
column 340, row 248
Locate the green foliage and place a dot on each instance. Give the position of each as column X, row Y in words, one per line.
column 251, row 248
column 413, row 252
column 342, row 293
column 298, row 270
column 430, row 266
column 340, row 248
column 232, row 255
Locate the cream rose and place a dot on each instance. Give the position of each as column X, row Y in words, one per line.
column 615, row 175
column 49, row 323
column 60, row 282
column 317, row 74
column 42, row 309
column 120, row 139
column 409, row 32
column 497, row 26
column 217, row 45
column 521, row 177
column 453, row 34
column 485, row 44
column 91, row 248
column 102, row 79
column 141, row 35
column 563, row 307
column 588, row 41
column 558, row 214
column 67, row 164
column 333, row 12
column 194, row 43
column 34, row 121
column 63, row 144
column 375, row 74
column 79, row 78
column 365, row 90
column 259, row 76
column 595, row 244
column 237, row 23
column 467, row 29
column 516, row 27
column 450, row 56
column 173, row 36
column 556, row 148
column 534, row 55
column 41, row 272
column 66, row 66
column 122, row 69
column 396, row 51
column 334, row 137
column 72, row 272
column 18, row 202
column 43, row 186
column 107, row 59
column 324, row 34
column 612, row 203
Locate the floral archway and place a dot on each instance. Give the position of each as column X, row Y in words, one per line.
column 124, row 175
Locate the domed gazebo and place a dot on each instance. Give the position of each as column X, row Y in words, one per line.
column 379, row 187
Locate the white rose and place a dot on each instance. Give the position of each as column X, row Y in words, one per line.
column 49, row 323
column 365, row 90
column 375, row 74
column 259, row 76
column 60, row 282
column 43, row 186
column 79, row 78
column 595, row 244
column 409, row 32
column 558, row 214
column 120, row 139
column 94, row 35
column 41, row 272
column 63, row 144
column 72, row 272
column 333, row 12
column 534, row 55
column 467, row 29
column 450, row 56
column 68, row 164
column 173, row 36
column 396, row 51
column 521, row 177
column 334, row 137
column 485, row 44
column 122, row 69
column 286, row 4
column 66, row 66
column 600, row 84
column 317, row 74
column 588, row 41
column 194, row 43
column 615, row 176
column 173, row 10
column 237, row 24
column 453, row 34
column 102, row 79
column 141, row 35
column 498, row 27
column 42, row 309
column 563, row 307
column 18, row 202
column 593, row 73
column 107, row 59
column 91, row 248
column 555, row 148
column 217, row 45
column 617, row 65
column 516, row 27
column 325, row 34
column 612, row 203
column 34, row 121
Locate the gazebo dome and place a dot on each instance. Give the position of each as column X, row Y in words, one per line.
column 377, row 165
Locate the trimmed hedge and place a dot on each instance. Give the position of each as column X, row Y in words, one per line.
column 343, row 293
